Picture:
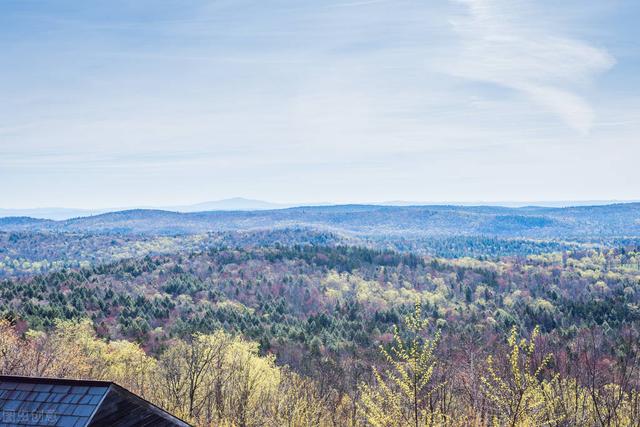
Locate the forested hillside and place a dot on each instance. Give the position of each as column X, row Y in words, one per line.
column 368, row 220
column 308, row 316
column 29, row 252
column 305, row 311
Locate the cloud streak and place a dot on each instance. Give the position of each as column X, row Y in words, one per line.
column 343, row 100
column 502, row 45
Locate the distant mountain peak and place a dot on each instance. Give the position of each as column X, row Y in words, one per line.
column 230, row 204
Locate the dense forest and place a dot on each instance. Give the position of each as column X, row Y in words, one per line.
column 33, row 252
column 316, row 329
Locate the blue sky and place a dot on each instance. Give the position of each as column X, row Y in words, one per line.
column 121, row 103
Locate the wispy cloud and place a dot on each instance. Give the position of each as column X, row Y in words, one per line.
column 339, row 100
column 504, row 44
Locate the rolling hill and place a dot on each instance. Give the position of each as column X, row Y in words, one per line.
column 615, row 220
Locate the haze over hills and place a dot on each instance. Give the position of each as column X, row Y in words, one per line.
column 244, row 204
column 512, row 203
column 232, row 204
column 50, row 213
column 58, row 213
column 366, row 220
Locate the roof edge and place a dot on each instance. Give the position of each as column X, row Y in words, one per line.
column 97, row 406
column 152, row 406
column 110, row 385
column 53, row 380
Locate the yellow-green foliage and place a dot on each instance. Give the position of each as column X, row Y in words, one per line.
column 381, row 296
column 218, row 379
column 403, row 394
column 212, row 380
column 518, row 395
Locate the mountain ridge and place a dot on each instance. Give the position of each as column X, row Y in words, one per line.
column 361, row 219
column 247, row 204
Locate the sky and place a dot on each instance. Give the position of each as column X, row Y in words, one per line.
column 117, row 103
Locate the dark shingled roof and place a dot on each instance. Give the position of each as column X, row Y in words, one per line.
column 29, row 401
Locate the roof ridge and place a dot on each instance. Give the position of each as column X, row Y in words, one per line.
column 54, row 380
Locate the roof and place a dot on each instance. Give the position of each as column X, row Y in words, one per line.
column 59, row 402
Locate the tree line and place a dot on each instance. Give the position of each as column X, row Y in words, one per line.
column 219, row 379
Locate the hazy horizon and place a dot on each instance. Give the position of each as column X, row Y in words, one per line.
column 268, row 204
